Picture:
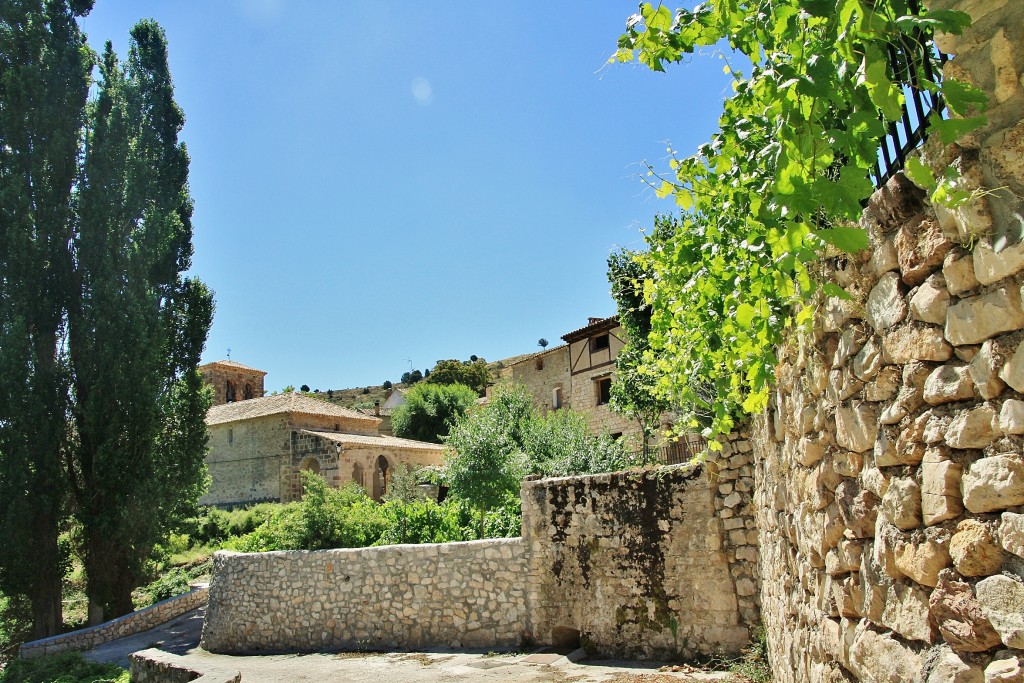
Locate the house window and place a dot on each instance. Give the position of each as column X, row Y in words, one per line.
column 603, row 389
column 539, row 364
column 247, row 392
column 616, row 436
column 556, row 398
column 599, row 343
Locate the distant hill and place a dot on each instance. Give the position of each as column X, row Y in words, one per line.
column 363, row 397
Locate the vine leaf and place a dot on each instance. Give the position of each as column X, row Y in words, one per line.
column 850, row 240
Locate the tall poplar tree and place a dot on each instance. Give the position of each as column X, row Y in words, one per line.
column 101, row 407
column 44, row 84
column 137, row 326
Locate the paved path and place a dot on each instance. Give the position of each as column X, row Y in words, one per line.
column 181, row 636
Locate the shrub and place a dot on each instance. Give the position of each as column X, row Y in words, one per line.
column 67, row 667
column 173, row 582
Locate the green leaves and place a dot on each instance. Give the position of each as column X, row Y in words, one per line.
column 779, row 184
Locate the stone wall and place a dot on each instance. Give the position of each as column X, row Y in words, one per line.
column 542, row 373
column 129, row 624
column 404, row 596
column 661, row 563
column 157, row 666
column 889, row 467
column 245, row 460
column 638, row 563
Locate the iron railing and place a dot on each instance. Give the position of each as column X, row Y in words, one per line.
column 680, row 451
column 908, row 59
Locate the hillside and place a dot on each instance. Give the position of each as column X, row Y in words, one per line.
column 364, row 397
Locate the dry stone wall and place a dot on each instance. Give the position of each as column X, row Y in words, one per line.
column 660, row 563
column 889, row 468
column 638, row 563
column 403, row 596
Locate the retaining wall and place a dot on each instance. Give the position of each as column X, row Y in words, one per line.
column 890, row 468
column 640, row 564
column 403, row 596
column 129, row 624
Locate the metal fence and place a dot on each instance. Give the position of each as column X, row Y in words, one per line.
column 680, row 451
column 909, row 59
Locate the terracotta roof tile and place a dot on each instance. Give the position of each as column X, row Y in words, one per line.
column 290, row 402
column 378, row 440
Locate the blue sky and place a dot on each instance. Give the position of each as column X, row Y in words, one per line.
column 383, row 182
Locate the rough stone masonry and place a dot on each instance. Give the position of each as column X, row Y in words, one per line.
column 648, row 564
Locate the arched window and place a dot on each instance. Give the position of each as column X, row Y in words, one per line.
column 247, row 392
column 381, row 477
column 357, row 475
column 311, row 465
column 229, row 393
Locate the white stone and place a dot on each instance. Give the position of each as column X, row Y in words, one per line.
column 973, row 320
column 984, row 372
column 940, row 491
column 883, row 258
column 880, row 658
column 902, row 503
column 1011, row 417
column 1013, row 371
column 951, row 669
column 856, row 427
column 991, row 266
column 972, row 428
column 868, row 361
column 1005, row 668
column 958, row 272
column 886, row 305
column 930, row 301
column 914, row 342
column 1002, row 600
column 994, row 483
column 948, row 383
column 1011, row 533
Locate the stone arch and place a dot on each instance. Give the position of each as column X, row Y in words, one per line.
column 247, row 392
column 229, row 393
column 310, row 464
column 381, row 476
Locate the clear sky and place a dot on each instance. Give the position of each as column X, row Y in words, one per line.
column 379, row 183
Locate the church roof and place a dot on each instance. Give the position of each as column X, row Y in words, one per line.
column 232, row 364
column 290, row 402
column 375, row 440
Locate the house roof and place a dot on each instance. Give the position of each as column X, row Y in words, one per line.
column 290, row 402
column 532, row 356
column 375, row 440
column 232, row 364
column 591, row 329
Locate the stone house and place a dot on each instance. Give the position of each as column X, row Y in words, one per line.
column 578, row 375
column 258, row 446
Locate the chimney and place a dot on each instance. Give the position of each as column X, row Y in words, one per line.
column 591, row 321
column 376, row 408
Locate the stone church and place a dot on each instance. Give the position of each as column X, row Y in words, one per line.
column 259, row 444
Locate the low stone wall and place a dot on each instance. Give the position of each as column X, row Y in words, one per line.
column 650, row 564
column 129, row 624
column 635, row 562
column 157, row 666
column 404, row 596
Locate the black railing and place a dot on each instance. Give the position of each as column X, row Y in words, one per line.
column 677, row 452
column 913, row 57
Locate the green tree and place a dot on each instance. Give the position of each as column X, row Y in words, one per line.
column 560, row 444
column 634, row 391
column 486, row 451
column 779, row 184
column 430, row 410
column 473, row 374
column 136, row 327
column 44, row 83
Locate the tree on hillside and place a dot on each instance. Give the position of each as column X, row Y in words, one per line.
column 44, row 83
column 430, row 410
column 139, row 403
column 473, row 374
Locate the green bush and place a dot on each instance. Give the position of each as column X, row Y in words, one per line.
column 173, row 582
column 67, row 667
